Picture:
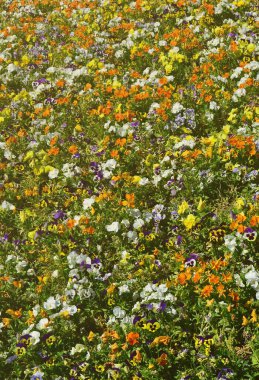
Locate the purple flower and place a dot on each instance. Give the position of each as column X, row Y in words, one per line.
column 37, row 376
column 11, row 358
column 191, row 260
column 224, row 374
column 179, row 240
column 162, row 306
column 250, row 234
column 59, row 214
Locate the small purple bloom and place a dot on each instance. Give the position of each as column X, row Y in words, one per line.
column 59, row 214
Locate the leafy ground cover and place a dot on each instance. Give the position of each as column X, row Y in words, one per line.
column 128, row 210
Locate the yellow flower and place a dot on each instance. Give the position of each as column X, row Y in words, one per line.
column 245, row 321
column 201, row 205
column 254, row 316
column 190, row 221
column 239, row 203
column 91, row 336
column 183, row 207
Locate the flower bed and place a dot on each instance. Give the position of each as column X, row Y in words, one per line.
column 128, row 211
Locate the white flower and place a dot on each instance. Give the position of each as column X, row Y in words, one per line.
column 88, row 202
column 43, row 324
column 132, row 235
column 114, row 227
column 7, row 206
column 78, row 348
column 138, row 223
column 8, row 154
column 144, row 181
column 252, row 278
column 213, row 106
column 107, row 174
column 177, row 107
column 118, row 312
column 125, row 222
column 119, row 53
column 69, row 309
column 123, row 289
column 110, row 164
column 239, row 282
column 35, row 337
column 53, row 173
column 51, row 303
column 230, row 242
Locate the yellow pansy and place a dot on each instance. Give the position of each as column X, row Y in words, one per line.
column 190, row 221
column 183, row 207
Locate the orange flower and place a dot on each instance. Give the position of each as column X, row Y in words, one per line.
column 214, row 279
column 241, row 218
column 53, row 151
column 241, row 228
column 114, row 153
column 46, row 113
column 164, row 339
column 14, row 313
column 60, row 83
column 221, row 289
column 121, row 142
column 227, row 277
column 196, row 277
column 254, row 220
column 73, row 149
column 182, row 278
column 132, row 338
column 71, row 223
column 234, row 295
column 130, row 200
column 162, row 360
column 206, row 291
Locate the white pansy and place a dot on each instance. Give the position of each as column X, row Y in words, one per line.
column 132, row 235
column 144, row 181
column 119, row 312
column 177, row 107
column 252, row 278
column 53, row 173
column 230, row 242
column 71, row 310
column 125, row 222
column 7, row 206
column 114, row 227
column 77, row 349
column 238, row 280
column 123, row 289
column 110, row 164
column 8, row 154
column 107, row 174
column 138, row 223
column 51, row 303
column 35, row 337
column 88, row 202
column 42, row 324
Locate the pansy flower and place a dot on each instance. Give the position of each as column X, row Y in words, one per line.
column 217, row 234
column 26, row 340
column 225, row 374
column 20, row 349
column 191, row 260
column 250, row 234
column 152, row 325
column 49, row 339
